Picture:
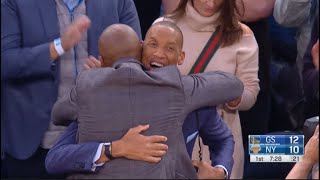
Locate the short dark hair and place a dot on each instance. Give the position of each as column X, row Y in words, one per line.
column 171, row 25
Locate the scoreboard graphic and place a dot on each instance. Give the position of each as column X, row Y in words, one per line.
column 276, row 148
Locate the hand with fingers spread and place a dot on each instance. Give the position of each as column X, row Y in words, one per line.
column 71, row 36
column 135, row 146
column 206, row 171
column 73, row 33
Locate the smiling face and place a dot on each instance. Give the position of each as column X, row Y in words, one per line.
column 207, row 8
column 162, row 47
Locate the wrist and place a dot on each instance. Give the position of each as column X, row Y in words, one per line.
column 308, row 161
column 222, row 173
column 58, row 46
column 53, row 53
column 103, row 158
column 223, row 170
column 108, row 150
column 117, row 149
column 219, row 172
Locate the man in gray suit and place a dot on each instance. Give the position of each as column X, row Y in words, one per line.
column 129, row 95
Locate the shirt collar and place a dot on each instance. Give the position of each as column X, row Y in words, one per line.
column 119, row 62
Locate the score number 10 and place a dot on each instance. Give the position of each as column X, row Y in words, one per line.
column 294, row 140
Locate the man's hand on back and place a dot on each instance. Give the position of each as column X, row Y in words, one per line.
column 135, row 146
column 92, row 62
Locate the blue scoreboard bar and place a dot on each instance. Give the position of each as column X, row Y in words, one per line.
column 276, row 148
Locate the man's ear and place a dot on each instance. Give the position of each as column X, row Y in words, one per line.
column 141, row 43
column 181, row 57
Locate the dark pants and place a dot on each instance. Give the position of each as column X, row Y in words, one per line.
column 33, row 167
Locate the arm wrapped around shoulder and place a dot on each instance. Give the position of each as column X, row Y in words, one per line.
column 64, row 111
column 211, row 89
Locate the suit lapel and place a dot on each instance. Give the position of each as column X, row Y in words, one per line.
column 49, row 18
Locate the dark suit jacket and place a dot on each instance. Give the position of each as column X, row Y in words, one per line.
column 67, row 157
column 29, row 79
column 214, row 132
column 109, row 101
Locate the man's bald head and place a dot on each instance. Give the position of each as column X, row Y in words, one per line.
column 118, row 41
column 171, row 25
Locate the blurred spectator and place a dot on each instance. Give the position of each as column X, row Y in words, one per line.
column 287, row 99
column 238, row 54
column 310, row 160
column 289, row 42
column 299, row 14
column 310, row 71
column 42, row 51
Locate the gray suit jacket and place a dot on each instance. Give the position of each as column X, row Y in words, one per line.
column 109, row 101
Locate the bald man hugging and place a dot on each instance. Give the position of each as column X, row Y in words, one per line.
column 122, row 94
